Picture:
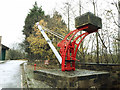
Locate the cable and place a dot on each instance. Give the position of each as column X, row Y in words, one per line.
column 53, row 33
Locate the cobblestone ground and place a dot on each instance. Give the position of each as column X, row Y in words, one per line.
column 10, row 74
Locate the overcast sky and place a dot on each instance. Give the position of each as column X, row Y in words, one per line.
column 14, row 12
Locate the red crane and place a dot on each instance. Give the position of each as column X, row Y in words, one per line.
column 68, row 48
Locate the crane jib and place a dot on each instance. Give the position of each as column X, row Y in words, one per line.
column 50, row 43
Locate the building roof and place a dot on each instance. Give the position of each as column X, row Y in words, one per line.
column 4, row 47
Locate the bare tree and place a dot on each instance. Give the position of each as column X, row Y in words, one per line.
column 119, row 32
column 117, row 23
column 94, row 2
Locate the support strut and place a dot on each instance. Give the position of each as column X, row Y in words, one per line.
column 68, row 48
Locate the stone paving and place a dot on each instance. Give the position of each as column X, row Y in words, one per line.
column 10, row 74
column 2, row 62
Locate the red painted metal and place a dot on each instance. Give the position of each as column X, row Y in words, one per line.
column 68, row 50
column 34, row 67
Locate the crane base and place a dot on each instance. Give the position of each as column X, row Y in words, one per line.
column 79, row 78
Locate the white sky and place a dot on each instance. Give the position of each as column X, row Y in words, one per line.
column 14, row 12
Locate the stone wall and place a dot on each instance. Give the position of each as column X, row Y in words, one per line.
column 113, row 69
column 73, row 79
column 99, row 67
column 55, row 79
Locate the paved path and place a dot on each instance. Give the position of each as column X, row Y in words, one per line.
column 10, row 74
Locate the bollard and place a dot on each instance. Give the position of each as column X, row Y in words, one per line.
column 34, row 67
